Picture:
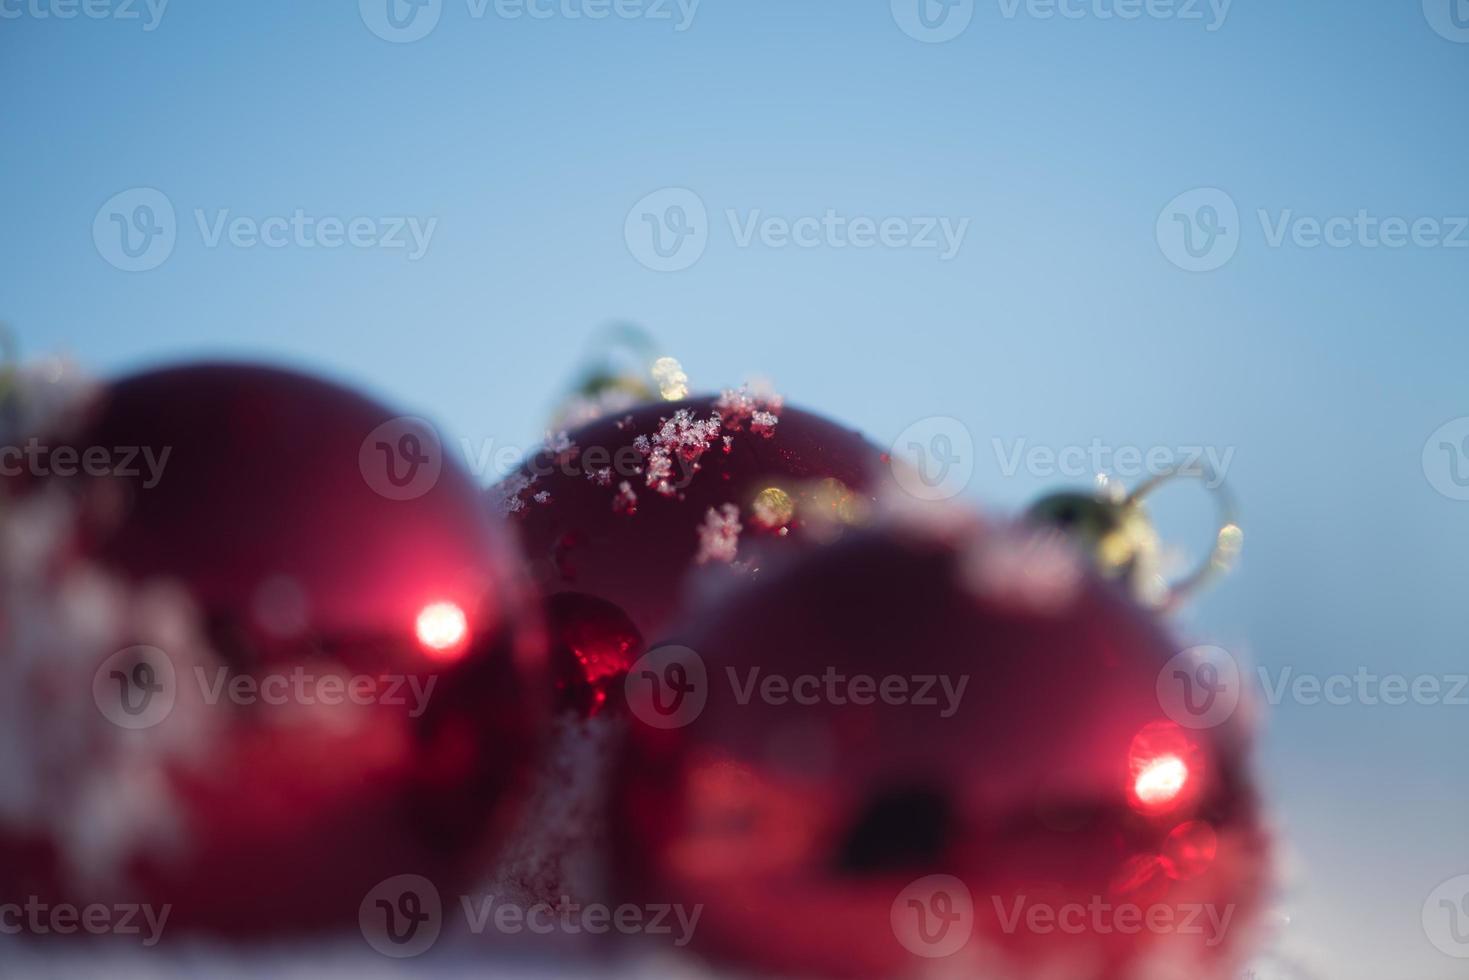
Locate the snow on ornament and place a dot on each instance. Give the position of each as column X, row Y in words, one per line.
column 626, row 510
column 290, row 661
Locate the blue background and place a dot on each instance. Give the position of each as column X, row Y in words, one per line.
column 1061, row 319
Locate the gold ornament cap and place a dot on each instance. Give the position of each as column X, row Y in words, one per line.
column 1113, row 528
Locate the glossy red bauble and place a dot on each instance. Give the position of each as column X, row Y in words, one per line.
column 935, row 748
column 270, row 654
column 617, row 517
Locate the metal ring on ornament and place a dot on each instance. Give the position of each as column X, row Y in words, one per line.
column 1228, row 538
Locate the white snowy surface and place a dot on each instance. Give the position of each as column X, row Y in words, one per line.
column 348, row 958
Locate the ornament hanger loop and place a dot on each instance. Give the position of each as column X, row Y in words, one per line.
column 1228, row 536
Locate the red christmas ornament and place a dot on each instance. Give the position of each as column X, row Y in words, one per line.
column 266, row 653
column 615, row 518
column 937, row 747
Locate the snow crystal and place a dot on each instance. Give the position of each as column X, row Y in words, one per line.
column 682, row 438
column 763, row 423
column 760, row 409
column 626, row 499
column 509, row 496
column 719, row 536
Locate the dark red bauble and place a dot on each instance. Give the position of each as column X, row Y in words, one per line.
column 343, row 685
column 936, row 750
column 615, row 518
